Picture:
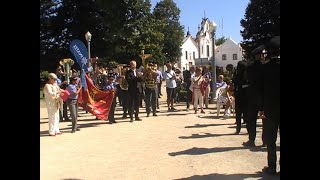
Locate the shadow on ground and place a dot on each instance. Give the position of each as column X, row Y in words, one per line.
column 217, row 176
column 205, row 135
column 212, row 117
column 204, row 125
column 200, row 151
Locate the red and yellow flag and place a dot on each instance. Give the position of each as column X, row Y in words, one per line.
column 95, row 101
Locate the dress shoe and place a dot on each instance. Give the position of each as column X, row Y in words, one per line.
column 78, row 129
column 52, row 134
column 154, row 114
column 73, row 131
column 249, row 144
column 59, row 133
column 269, row 170
column 203, row 112
column 237, row 132
column 148, row 114
column 138, row 119
column 131, row 119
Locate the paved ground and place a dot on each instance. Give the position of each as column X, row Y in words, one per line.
column 174, row 145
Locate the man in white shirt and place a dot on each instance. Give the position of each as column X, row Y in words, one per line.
column 171, row 84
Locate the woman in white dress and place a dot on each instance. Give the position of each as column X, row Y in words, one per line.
column 52, row 96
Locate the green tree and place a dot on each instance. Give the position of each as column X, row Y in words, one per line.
column 220, row 41
column 128, row 28
column 48, row 11
column 261, row 22
column 75, row 18
column 168, row 14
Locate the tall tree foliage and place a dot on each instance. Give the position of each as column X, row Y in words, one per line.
column 261, row 22
column 48, row 11
column 74, row 19
column 120, row 29
column 127, row 28
column 168, row 14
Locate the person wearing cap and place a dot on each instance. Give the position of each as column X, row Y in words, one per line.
column 253, row 72
column 240, row 93
column 269, row 102
column 52, row 96
column 74, row 89
column 111, row 86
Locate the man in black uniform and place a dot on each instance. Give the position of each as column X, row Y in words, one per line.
column 269, row 100
column 240, row 81
column 253, row 73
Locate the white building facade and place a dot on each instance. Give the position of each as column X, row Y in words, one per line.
column 228, row 53
column 189, row 51
column 199, row 51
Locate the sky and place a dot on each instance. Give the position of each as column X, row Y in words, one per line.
column 225, row 13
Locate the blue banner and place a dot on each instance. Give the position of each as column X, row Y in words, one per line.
column 80, row 52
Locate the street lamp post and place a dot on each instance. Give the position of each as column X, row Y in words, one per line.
column 214, row 73
column 88, row 38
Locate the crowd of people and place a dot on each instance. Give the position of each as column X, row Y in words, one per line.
column 252, row 93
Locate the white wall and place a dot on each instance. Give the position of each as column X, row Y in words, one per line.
column 204, row 41
column 190, row 47
column 229, row 47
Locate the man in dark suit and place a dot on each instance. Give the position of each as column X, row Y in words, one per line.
column 240, row 81
column 269, row 101
column 133, row 77
column 253, row 72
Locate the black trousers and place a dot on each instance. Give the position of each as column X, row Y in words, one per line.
column 272, row 125
column 124, row 98
column 189, row 97
column 151, row 100
column 112, row 109
column 241, row 107
column 159, row 87
column 251, row 124
column 133, row 105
